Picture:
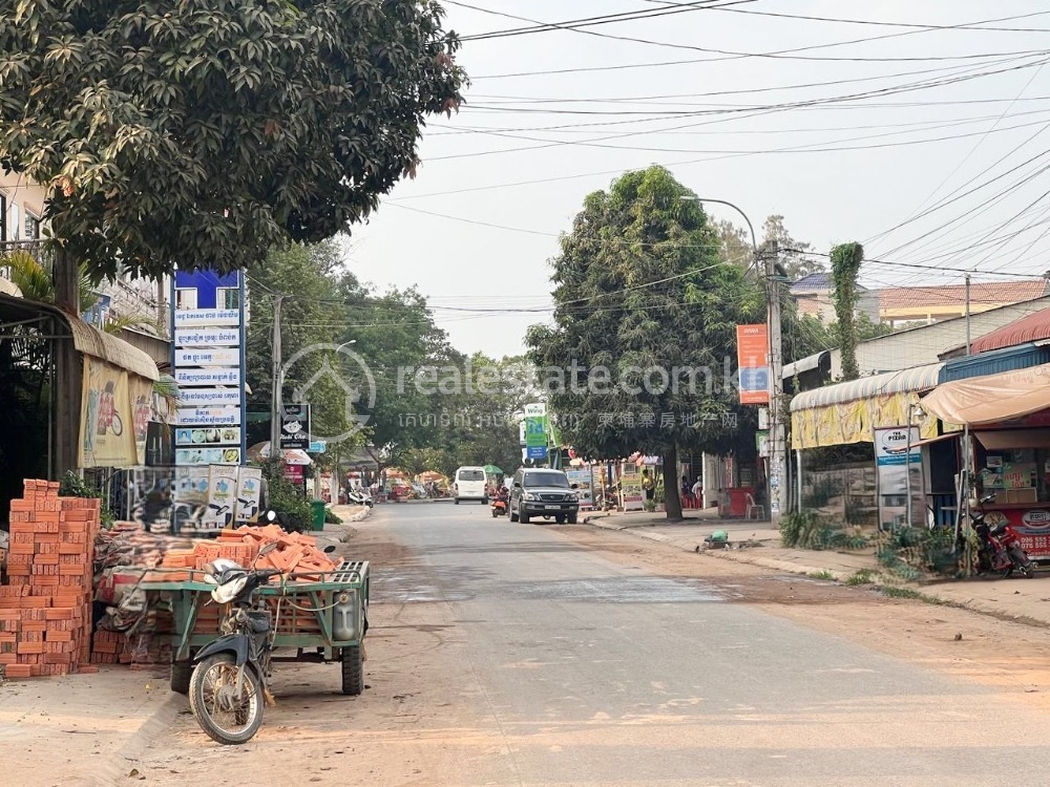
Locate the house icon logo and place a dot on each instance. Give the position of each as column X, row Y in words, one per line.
column 349, row 375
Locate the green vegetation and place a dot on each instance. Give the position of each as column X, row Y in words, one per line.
column 809, row 530
column 824, row 575
column 863, row 576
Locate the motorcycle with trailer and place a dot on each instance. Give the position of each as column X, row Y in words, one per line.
column 233, row 624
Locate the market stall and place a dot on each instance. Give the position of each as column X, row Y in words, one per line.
column 1007, row 422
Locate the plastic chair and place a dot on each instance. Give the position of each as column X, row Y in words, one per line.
column 753, row 508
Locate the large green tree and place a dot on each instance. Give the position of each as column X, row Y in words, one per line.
column 644, row 326
column 204, row 132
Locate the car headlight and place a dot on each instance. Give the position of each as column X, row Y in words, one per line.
column 531, row 496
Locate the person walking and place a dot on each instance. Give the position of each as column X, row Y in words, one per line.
column 698, row 492
column 687, row 492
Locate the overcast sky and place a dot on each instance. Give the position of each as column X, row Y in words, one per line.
column 926, row 144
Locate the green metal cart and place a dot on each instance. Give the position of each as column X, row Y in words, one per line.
column 318, row 617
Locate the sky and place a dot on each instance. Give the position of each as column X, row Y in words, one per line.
column 918, row 129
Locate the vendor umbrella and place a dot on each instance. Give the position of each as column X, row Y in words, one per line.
column 492, row 470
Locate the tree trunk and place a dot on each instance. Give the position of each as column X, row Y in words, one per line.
column 672, row 501
column 68, row 370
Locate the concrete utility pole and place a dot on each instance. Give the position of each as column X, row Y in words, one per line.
column 967, row 313
column 777, row 431
column 275, row 401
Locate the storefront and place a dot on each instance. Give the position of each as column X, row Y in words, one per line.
column 1006, row 418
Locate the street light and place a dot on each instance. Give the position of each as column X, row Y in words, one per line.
column 778, row 447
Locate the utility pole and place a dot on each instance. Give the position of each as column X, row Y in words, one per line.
column 275, row 401
column 967, row 313
column 777, row 442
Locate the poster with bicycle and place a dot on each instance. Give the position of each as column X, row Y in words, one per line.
column 107, row 424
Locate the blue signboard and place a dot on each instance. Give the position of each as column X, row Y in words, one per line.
column 536, row 452
column 208, row 326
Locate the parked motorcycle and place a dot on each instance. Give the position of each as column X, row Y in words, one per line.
column 230, row 682
column 359, row 497
column 999, row 547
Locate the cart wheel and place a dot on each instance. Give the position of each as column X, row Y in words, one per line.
column 181, row 672
column 353, row 671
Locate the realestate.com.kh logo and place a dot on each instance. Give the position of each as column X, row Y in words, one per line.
column 350, row 383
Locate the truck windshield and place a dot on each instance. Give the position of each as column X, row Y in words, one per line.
column 547, row 479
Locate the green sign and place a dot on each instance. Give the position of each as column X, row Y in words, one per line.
column 536, row 431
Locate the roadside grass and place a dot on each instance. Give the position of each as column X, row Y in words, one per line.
column 863, row 576
column 824, row 575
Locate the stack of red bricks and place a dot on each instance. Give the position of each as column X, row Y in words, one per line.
column 45, row 607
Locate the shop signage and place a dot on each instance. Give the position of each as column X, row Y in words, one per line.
column 208, row 337
column 631, row 488
column 208, row 376
column 228, row 358
column 894, row 463
column 208, row 326
column 249, row 494
column 210, row 318
column 752, row 354
column 295, row 427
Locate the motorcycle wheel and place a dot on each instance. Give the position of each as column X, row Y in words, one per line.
column 1022, row 562
column 222, row 717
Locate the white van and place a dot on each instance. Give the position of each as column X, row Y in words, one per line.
column 470, row 485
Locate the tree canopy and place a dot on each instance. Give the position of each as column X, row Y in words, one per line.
column 205, row 132
column 644, row 328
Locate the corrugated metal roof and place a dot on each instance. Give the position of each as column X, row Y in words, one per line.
column 918, row 378
column 1009, row 359
column 1033, row 328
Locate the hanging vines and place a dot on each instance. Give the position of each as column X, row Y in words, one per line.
column 846, row 260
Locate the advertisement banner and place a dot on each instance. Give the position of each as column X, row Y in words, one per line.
column 222, row 496
column 631, row 488
column 211, row 318
column 208, row 456
column 140, row 391
column 107, row 423
column 230, row 435
column 208, row 416
column 208, row 337
column 581, row 477
column 249, row 495
column 209, row 376
column 893, row 465
column 229, row 358
column 752, row 356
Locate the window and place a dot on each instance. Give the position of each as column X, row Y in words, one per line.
column 547, row 478
column 228, row 298
column 471, row 475
column 32, row 227
column 186, row 298
column 3, row 218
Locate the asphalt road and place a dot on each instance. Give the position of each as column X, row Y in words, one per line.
column 582, row 671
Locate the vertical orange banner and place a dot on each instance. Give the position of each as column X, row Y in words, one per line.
column 752, row 356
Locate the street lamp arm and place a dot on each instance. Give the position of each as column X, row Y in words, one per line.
column 751, row 229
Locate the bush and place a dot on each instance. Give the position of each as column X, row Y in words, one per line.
column 284, row 496
column 809, row 530
column 75, row 486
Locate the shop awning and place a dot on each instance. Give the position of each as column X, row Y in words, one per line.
column 1008, row 439
column 937, row 439
column 807, row 364
column 918, row 378
column 992, row 399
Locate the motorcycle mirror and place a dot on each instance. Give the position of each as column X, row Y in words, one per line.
column 267, row 548
column 271, row 516
column 329, row 549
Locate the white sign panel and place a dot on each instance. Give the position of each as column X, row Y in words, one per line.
column 209, row 416
column 209, row 397
column 211, row 376
column 196, row 318
column 208, row 337
column 208, row 456
column 208, row 357
column 537, row 410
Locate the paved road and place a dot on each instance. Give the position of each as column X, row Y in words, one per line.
column 504, row 654
column 598, row 674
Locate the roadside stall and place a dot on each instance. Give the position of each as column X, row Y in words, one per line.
column 1006, row 422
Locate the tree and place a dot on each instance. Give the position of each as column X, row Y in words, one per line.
column 205, row 133
column 792, row 253
column 846, row 260
column 644, row 323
